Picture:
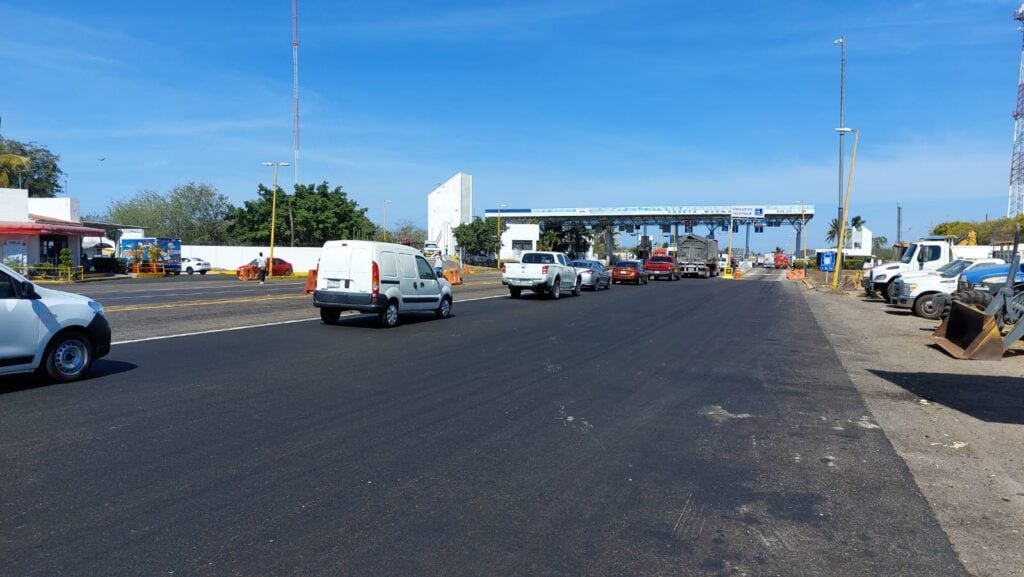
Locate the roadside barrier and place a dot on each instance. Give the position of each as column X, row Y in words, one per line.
column 249, row 273
column 736, row 274
column 453, row 276
column 796, row 274
column 311, row 281
column 51, row 273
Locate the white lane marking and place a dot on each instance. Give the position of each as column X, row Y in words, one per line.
column 211, row 331
column 480, row 298
column 242, row 328
column 198, row 293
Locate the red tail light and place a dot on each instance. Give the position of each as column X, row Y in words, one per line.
column 376, row 280
column 544, row 269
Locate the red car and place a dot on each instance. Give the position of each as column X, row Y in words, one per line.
column 629, row 271
column 281, row 267
column 662, row 266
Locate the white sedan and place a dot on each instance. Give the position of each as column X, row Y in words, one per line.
column 192, row 265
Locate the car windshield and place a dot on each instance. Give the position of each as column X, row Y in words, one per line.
column 626, row 264
column 667, row 259
column 581, row 264
column 908, row 256
column 955, row 268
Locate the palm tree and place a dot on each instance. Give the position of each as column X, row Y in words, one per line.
column 10, row 166
column 857, row 222
column 832, row 235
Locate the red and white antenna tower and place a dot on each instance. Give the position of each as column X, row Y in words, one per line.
column 295, row 82
column 1016, row 202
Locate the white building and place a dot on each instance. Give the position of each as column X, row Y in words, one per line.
column 35, row 230
column 448, row 206
column 518, row 238
column 860, row 242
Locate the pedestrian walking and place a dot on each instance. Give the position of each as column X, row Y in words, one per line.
column 438, row 265
column 261, row 264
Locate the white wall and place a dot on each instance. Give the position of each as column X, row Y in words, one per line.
column 232, row 257
column 448, row 206
column 14, row 204
column 519, row 232
column 63, row 208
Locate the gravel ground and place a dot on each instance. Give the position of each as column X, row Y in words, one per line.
column 959, row 425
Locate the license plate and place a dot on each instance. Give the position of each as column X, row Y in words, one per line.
column 333, row 284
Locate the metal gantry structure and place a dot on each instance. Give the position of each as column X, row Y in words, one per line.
column 1015, row 205
column 668, row 219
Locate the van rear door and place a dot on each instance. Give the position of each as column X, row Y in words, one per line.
column 345, row 268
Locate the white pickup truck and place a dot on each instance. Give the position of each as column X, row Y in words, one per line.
column 914, row 290
column 928, row 253
column 547, row 273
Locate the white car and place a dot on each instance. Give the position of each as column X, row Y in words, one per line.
column 193, row 265
column 55, row 333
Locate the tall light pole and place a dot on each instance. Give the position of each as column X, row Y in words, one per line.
column 803, row 231
column 845, row 207
column 842, row 130
column 500, row 206
column 273, row 213
column 386, row 220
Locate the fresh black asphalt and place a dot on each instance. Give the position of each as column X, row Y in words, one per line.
column 698, row 427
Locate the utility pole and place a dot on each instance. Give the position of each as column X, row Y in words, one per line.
column 295, row 83
column 842, row 130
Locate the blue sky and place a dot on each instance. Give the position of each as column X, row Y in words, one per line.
column 546, row 104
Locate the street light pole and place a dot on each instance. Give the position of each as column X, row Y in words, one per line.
column 842, row 130
column 845, row 208
column 273, row 214
column 499, row 235
column 803, row 232
column 386, row 220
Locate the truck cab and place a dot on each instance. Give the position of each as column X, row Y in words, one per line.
column 927, row 254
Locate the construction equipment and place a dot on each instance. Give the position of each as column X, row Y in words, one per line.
column 975, row 333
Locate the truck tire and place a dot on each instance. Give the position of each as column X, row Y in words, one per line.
column 577, row 290
column 514, row 292
column 924, row 309
column 978, row 299
column 890, row 292
column 870, row 291
column 556, row 289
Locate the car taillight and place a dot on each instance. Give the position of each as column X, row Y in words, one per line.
column 375, row 286
column 588, row 271
column 544, row 269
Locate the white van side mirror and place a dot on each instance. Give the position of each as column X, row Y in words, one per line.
column 28, row 290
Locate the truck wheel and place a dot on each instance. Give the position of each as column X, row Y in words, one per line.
column 870, row 291
column 329, row 316
column 924, row 309
column 444, row 310
column 556, row 289
column 68, row 357
column 389, row 318
column 890, row 292
column 514, row 292
column 578, row 289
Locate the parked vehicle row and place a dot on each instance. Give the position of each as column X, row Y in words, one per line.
column 979, row 297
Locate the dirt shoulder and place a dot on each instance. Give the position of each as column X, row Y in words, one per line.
column 959, row 425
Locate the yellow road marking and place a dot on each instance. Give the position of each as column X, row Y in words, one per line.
column 126, row 308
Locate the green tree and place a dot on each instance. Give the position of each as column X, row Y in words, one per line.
column 311, row 216
column 406, row 232
column 832, row 234
column 42, row 175
column 857, row 222
column 599, row 245
column 10, row 166
column 198, row 214
column 479, row 236
column 147, row 209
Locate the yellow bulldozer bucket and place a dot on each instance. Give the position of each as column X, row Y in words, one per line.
column 969, row 333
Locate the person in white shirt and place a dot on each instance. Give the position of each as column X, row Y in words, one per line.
column 261, row 264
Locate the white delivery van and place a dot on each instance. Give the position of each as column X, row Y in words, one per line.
column 55, row 333
column 377, row 277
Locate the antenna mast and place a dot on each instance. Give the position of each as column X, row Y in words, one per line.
column 1015, row 206
column 295, row 82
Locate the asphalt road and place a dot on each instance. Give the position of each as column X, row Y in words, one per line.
column 667, row 429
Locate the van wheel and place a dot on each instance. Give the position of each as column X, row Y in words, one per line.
column 68, row 357
column 389, row 318
column 329, row 316
column 445, row 309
